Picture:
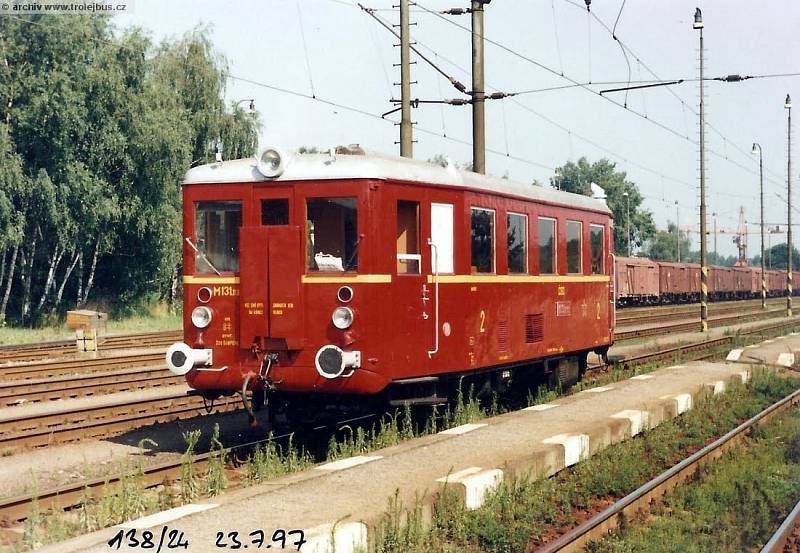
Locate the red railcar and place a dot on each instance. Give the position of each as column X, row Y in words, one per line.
column 776, row 283
column 636, row 281
column 679, row 282
column 755, row 282
column 328, row 275
column 743, row 282
column 721, row 282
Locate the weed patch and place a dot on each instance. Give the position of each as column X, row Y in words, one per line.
column 527, row 512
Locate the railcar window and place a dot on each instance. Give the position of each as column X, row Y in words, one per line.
column 517, row 232
column 216, row 226
column 408, row 256
column 332, row 234
column 482, row 240
column 596, row 237
column 547, row 246
column 275, row 212
column 574, row 229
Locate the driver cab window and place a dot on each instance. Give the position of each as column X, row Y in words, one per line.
column 275, row 212
column 332, row 234
column 216, row 226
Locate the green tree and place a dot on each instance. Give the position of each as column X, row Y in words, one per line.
column 96, row 131
column 577, row 177
column 776, row 257
column 663, row 246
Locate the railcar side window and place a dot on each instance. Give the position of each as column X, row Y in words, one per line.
column 332, row 234
column 482, row 240
column 547, row 246
column 596, row 237
column 216, row 227
column 574, row 229
column 275, row 212
column 408, row 255
column 517, row 231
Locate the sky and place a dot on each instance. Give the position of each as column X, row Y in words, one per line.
column 322, row 72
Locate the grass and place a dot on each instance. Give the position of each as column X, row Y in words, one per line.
column 156, row 318
column 394, row 428
column 520, row 513
column 734, row 505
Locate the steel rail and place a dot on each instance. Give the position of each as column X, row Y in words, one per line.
column 640, row 499
column 62, row 367
column 780, row 539
column 16, row 509
column 664, row 314
column 101, row 421
column 19, row 392
column 657, row 330
column 58, row 348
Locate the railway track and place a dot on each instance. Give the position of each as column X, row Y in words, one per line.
column 19, row 392
column 16, row 509
column 626, row 316
column 655, row 328
column 76, row 378
column 637, row 502
column 110, row 418
column 73, row 366
column 112, row 342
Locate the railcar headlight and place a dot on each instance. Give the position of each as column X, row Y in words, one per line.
column 342, row 317
column 201, row 316
column 272, row 162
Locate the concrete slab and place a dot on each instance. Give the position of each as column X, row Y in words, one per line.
column 778, row 352
column 347, row 503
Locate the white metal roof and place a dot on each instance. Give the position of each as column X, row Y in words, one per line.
column 299, row 167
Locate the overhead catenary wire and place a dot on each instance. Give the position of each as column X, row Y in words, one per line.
column 376, row 116
column 729, row 78
column 366, row 113
column 305, row 48
column 565, row 129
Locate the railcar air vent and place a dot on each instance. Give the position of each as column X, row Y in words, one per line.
column 534, row 328
column 502, row 336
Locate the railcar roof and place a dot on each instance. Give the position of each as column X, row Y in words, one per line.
column 325, row 166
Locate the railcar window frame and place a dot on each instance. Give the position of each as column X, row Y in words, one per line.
column 601, row 257
column 554, row 245
column 572, row 255
column 203, row 255
column 351, row 239
column 269, row 216
column 409, row 260
column 510, row 245
column 474, row 268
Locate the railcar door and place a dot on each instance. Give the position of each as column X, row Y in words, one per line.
column 412, row 294
column 269, row 305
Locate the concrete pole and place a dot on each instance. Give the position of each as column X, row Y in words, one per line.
column 761, row 189
column 703, row 248
column 478, row 92
column 678, row 228
column 716, row 255
column 628, row 198
column 406, row 128
column 788, row 106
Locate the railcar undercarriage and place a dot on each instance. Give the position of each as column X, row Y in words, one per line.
column 515, row 381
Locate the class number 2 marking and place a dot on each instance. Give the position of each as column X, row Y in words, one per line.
column 483, row 321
